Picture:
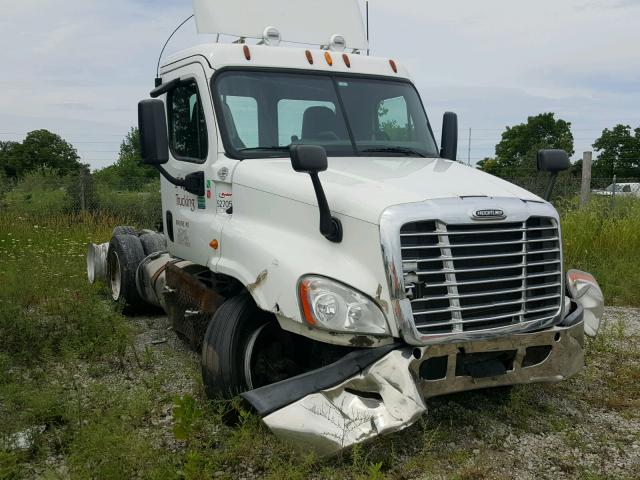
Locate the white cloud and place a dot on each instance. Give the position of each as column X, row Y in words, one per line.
column 80, row 66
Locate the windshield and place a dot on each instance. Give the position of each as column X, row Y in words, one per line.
column 262, row 113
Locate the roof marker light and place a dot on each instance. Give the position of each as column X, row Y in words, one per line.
column 337, row 43
column 394, row 67
column 309, row 57
column 271, row 36
column 247, row 52
column 327, row 57
column 346, row 59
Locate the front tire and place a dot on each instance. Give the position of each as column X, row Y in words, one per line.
column 244, row 348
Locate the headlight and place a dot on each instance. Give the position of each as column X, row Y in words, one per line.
column 332, row 306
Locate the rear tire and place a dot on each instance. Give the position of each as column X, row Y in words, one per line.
column 124, row 230
column 244, row 348
column 152, row 243
column 123, row 257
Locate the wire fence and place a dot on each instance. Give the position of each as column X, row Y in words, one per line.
column 137, row 199
column 568, row 187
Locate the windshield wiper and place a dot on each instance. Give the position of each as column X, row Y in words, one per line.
column 269, row 149
column 402, row 150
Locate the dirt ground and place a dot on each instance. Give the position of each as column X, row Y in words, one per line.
column 588, row 427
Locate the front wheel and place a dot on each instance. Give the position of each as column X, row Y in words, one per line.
column 245, row 348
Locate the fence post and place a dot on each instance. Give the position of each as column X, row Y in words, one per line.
column 83, row 205
column 587, row 158
column 613, row 193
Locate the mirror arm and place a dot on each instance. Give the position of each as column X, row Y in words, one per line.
column 171, row 179
column 194, row 183
column 164, row 88
column 552, row 183
column 330, row 227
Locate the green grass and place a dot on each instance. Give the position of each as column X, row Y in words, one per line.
column 98, row 402
column 605, row 241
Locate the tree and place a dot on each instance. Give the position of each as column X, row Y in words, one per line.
column 517, row 151
column 618, row 153
column 9, row 156
column 489, row 165
column 128, row 172
column 43, row 149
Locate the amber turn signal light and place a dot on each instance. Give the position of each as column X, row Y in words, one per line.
column 306, row 306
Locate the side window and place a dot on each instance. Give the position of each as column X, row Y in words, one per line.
column 291, row 117
column 187, row 125
column 394, row 120
column 241, row 118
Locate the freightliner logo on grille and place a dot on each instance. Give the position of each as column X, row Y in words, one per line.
column 489, row 214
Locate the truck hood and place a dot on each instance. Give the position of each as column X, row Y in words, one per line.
column 363, row 187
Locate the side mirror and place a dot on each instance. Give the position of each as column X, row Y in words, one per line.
column 312, row 159
column 552, row 161
column 308, row 158
column 449, row 143
column 154, row 142
column 154, row 145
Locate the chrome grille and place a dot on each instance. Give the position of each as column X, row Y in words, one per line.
column 471, row 277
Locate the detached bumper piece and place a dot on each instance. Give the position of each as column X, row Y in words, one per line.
column 383, row 390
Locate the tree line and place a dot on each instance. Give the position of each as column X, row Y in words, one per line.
column 40, row 150
column 48, row 153
column 617, row 149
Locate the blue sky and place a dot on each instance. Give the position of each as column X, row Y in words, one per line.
column 79, row 67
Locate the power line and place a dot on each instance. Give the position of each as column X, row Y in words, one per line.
column 68, row 133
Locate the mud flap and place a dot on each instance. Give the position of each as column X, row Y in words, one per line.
column 189, row 304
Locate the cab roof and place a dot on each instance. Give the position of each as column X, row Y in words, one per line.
column 221, row 55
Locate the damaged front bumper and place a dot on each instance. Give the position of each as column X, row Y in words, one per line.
column 383, row 390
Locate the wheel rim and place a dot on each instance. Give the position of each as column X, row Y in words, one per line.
column 115, row 277
column 268, row 356
column 249, row 355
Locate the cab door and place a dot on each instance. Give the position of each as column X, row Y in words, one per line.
column 190, row 221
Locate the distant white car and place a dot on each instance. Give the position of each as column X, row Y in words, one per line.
column 624, row 189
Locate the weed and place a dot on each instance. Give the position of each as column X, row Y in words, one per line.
column 374, row 472
column 185, row 413
column 11, row 465
column 147, row 358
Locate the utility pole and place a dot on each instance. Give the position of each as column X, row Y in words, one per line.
column 469, row 150
column 587, row 158
column 367, row 15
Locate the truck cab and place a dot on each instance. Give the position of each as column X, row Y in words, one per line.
column 327, row 256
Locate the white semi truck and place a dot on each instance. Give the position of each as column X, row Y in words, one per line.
column 333, row 264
